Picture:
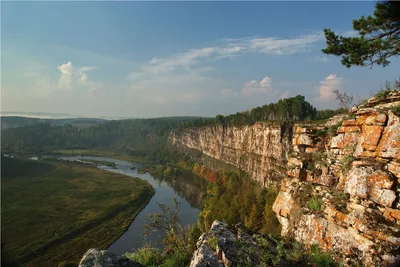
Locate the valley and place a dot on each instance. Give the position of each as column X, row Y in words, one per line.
column 52, row 212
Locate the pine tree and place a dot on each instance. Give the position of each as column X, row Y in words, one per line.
column 379, row 38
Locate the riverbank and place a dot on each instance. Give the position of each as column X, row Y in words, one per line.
column 100, row 153
column 53, row 212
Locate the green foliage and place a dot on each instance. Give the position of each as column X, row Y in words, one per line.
column 147, row 256
column 176, row 260
column 396, row 110
column 101, row 162
column 384, row 91
column 139, row 137
column 340, row 199
column 213, row 242
column 321, row 132
column 333, row 129
column 54, row 212
column 178, row 243
column 378, row 41
column 288, row 109
column 347, row 162
column 236, row 198
column 314, row 203
column 297, row 253
column 319, row 158
column 321, row 258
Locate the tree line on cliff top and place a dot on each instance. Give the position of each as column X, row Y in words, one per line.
column 286, row 109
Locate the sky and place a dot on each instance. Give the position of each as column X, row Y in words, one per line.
column 156, row 59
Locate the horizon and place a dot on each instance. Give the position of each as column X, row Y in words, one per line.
column 166, row 59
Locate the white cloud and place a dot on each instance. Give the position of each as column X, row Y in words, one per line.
column 330, row 83
column 71, row 75
column 255, row 87
column 187, row 61
column 184, row 78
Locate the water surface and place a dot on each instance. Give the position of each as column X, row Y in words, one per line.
column 188, row 189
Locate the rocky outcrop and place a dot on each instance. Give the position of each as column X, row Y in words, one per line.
column 230, row 246
column 342, row 186
column 95, row 258
column 260, row 149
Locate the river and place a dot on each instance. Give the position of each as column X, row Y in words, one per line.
column 188, row 189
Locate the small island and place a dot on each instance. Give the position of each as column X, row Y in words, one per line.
column 109, row 164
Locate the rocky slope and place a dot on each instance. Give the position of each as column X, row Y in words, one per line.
column 341, row 187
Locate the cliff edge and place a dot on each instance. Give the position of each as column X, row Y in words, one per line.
column 342, row 186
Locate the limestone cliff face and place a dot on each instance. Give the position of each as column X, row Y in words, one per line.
column 260, row 149
column 340, row 180
column 342, row 188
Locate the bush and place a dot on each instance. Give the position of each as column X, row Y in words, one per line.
column 213, row 242
column 347, row 162
column 147, row 256
column 396, row 110
column 314, row 203
column 176, row 260
column 333, row 129
column 320, row 258
column 384, row 92
column 319, row 158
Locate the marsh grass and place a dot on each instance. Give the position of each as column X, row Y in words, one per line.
column 54, row 212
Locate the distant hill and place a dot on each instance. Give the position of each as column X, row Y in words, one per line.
column 8, row 122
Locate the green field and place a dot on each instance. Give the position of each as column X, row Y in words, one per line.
column 100, row 153
column 54, row 212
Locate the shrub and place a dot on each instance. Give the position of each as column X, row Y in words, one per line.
column 296, row 253
column 384, row 91
column 314, row 203
column 347, row 161
column 396, row 110
column 176, row 260
column 332, row 129
column 321, row 132
column 147, row 256
column 319, row 158
column 213, row 242
column 320, row 258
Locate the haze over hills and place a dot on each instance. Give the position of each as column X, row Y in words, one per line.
column 50, row 115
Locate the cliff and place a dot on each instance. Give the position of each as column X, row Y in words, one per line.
column 260, row 149
column 339, row 180
column 342, row 186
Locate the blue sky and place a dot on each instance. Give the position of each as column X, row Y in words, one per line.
column 148, row 59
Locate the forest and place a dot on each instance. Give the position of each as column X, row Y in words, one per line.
column 286, row 109
column 146, row 137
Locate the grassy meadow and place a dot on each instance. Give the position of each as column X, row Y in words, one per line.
column 54, row 212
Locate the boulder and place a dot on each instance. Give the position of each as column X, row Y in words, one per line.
column 103, row 258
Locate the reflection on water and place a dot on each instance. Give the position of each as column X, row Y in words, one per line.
column 187, row 189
